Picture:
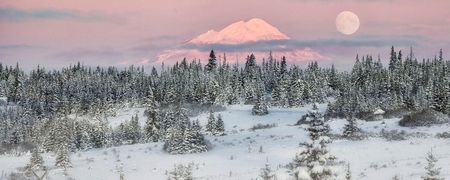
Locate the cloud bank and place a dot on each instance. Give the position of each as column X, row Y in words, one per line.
column 16, row 15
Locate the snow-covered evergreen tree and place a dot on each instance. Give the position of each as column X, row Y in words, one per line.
column 82, row 135
column 295, row 90
column 152, row 128
column 184, row 139
column 215, row 126
column 63, row 144
column 266, row 173
column 36, row 162
column 134, row 130
column 351, row 129
column 213, row 91
column 210, row 125
column 184, row 142
column 432, row 172
column 63, row 157
column 172, row 143
column 280, row 93
column 152, row 123
column 260, row 107
column 193, row 141
column 212, row 62
column 225, row 96
column 314, row 162
column 100, row 132
column 219, row 127
column 181, row 172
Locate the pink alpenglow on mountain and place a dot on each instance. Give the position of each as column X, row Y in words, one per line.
column 238, row 40
column 241, row 32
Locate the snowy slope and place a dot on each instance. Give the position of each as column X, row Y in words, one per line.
column 241, row 32
column 237, row 156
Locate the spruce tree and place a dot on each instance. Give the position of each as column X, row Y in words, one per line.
column 193, row 141
column 432, row 172
column 185, row 141
column 212, row 62
column 267, row 173
column 260, row 107
column 210, row 125
column 63, row 157
column 62, row 140
column 135, row 130
column 334, row 81
column 184, row 137
column 152, row 127
column 280, row 93
column 181, row 172
column 152, row 123
column 250, row 67
column 172, row 143
column 219, row 128
column 82, row 135
column 36, row 162
column 100, row 136
column 351, row 129
column 211, row 92
column 295, row 93
column 314, row 161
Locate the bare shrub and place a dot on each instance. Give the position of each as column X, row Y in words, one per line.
column 262, row 126
column 393, row 135
column 444, row 135
column 426, row 117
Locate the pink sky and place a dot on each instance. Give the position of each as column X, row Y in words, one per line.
column 104, row 32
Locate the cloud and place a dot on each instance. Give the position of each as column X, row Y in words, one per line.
column 364, row 41
column 286, row 45
column 142, row 61
column 293, row 55
column 89, row 53
column 14, row 46
column 156, row 43
column 294, row 50
column 13, row 14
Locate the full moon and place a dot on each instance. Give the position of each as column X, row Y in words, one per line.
column 347, row 22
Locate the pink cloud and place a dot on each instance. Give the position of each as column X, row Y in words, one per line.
column 293, row 56
column 143, row 61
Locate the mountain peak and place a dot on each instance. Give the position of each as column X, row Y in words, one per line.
column 257, row 21
column 241, row 32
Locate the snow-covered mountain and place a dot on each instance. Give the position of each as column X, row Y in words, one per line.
column 241, row 32
column 238, row 40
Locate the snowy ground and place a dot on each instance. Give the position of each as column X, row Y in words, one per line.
column 237, row 156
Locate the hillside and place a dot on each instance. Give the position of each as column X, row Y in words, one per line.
column 237, row 156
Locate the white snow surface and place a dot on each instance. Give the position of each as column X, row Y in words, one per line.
column 241, row 32
column 378, row 112
column 236, row 155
